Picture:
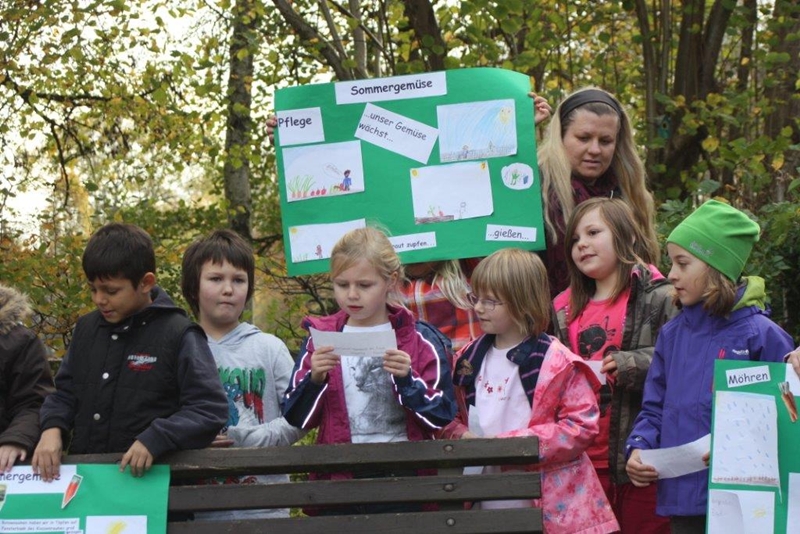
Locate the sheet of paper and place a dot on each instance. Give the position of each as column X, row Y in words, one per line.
column 443, row 193
column 300, row 126
column 396, row 133
column 678, row 461
column 315, row 241
column 477, row 130
column 745, row 439
column 793, row 504
column 793, row 379
column 405, row 243
column 596, row 365
column 517, row 176
column 741, row 512
column 395, row 88
column 355, row 343
column 316, row 171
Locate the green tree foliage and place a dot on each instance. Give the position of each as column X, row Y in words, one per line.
column 152, row 112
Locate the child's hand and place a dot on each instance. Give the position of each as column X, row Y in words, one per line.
column 322, row 361
column 641, row 475
column 9, row 454
column 138, row 457
column 47, row 456
column 541, row 109
column 794, row 360
column 609, row 365
column 707, row 458
column 397, row 362
column 222, row 441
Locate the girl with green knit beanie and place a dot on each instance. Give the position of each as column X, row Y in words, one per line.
column 723, row 315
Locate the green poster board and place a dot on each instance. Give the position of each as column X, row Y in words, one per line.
column 754, row 481
column 106, row 501
column 445, row 162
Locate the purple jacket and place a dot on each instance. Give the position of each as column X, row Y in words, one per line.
column 677, row 394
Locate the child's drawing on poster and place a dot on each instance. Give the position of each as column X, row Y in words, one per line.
column 451, row 192
column 517, row 176
column 315, row 241
column 477, row 130
column 116, row 524
column 323, row 170
column 741, row 512
column 745, row 449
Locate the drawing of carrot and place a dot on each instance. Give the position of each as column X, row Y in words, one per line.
column 72, row 490
column 788, row 400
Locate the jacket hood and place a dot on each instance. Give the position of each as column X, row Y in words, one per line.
column 238, row 335
column 14, row 308
column 751, row 293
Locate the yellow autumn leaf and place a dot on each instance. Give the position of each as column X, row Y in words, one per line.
column 710, row 143
column 777, row 162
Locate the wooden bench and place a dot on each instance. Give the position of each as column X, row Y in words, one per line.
column 448, row 487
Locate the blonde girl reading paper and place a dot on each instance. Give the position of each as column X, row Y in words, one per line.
column 516, row 380
column 404, row 394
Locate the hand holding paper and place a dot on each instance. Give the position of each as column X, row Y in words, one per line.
column 678, row 461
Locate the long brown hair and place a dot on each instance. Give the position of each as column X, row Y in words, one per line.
column 629, row 248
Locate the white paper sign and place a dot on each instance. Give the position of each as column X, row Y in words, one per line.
column 678, row 461
column 405, row 243
column 396, row 133
column 395, row 88
column 300, row 126
column 356, row 343
column 793, row 504
column 22, row 480
column 741, row 512
column 747, row 376
column 745, row 439
column 502, row 232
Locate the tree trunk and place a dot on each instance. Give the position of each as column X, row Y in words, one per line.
column 782, row 91
column 236, row 171
column 423, row 21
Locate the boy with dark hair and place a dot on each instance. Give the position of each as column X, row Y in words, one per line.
column 254, row 367
column 138, row 376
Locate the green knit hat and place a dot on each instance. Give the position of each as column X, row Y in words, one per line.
column 719, row 235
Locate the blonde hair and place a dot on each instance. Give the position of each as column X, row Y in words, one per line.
column 626, row 166
column 372, row 245
column 627, row 239
column 518, row 279
column 451, row 281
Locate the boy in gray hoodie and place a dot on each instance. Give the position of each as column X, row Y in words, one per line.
column 217, row 281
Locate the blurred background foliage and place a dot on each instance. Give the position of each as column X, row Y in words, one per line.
column 153, row 113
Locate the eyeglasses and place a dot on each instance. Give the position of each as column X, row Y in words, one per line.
column 488, row 304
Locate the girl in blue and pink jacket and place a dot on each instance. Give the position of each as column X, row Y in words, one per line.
column 403, row 394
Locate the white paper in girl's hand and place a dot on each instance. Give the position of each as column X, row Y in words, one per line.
column 596, row 366
column 474, row 423
column 474, row 427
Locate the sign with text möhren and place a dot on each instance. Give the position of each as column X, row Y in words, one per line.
column 444, row 161
column 754, row 483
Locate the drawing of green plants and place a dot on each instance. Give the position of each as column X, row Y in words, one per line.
column 299, row 186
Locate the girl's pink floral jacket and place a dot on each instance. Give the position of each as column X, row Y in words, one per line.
column 564, row 416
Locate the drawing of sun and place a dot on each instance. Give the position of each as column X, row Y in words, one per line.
column 414, row 173
column 117, row 527
column 759, row 513
column 292, row 230
column 504, row 115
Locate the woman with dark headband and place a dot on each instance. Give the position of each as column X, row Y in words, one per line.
column 588, row 151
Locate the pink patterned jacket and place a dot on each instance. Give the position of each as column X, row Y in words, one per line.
column 564, row 416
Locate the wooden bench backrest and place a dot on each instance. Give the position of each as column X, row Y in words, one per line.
column 448, row 487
